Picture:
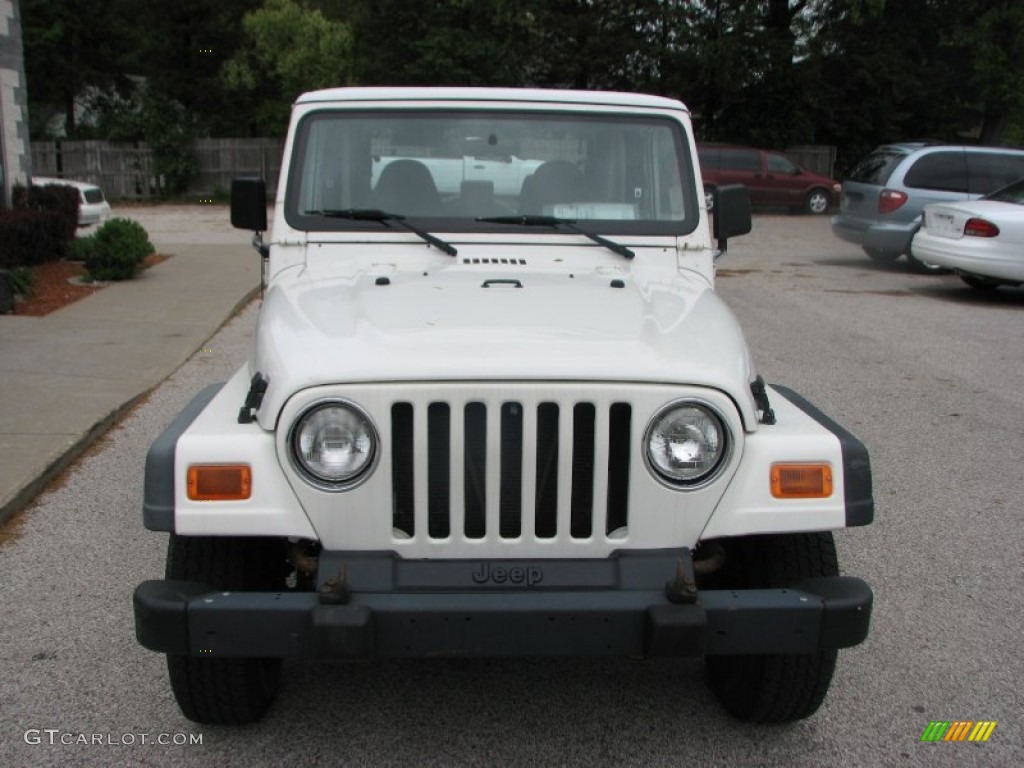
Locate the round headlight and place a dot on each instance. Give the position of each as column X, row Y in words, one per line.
column 685, row 443
column 333, row 443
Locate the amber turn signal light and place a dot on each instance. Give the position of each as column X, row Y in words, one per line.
column 801, row 481
column 219, row 482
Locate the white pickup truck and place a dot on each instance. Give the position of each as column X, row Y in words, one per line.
column 497, row 419
column 505, row 174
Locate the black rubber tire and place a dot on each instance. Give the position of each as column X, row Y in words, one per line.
column 986, row 284
column 881, row 256
column 774, row 688
column 225, row 691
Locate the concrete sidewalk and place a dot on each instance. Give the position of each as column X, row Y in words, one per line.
column 65, row 378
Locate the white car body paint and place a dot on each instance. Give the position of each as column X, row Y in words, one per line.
column 942, row 241
column 375, row 316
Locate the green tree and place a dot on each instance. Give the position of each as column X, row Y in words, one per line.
column 70, row 47
column 993, row 34
column 165, row 125
column 772, row 72
column 749, row 72
column 445, row 42
column 718, row 63
column 287, row 49
column 178, row 48
column 585, row 43
column 939, row 69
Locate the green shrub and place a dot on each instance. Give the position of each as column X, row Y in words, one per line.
column 60, row 199
column 115, row 251
column 82, row 248
column 22, row 279
column 28, row 238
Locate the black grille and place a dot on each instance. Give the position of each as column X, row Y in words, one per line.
column 468, row 423
column 438, row 470
column 402, row 479
column 546, row 516
column 510, row 507
column 475, row 469
column 581, row 525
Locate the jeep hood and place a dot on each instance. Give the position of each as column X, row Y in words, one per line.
column 465, row 322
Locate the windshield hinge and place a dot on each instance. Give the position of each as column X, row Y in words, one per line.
column 764, row 408
column 253, row 400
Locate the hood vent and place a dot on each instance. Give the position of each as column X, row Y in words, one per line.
column 505, row 262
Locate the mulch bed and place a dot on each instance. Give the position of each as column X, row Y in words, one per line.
column 53, row 288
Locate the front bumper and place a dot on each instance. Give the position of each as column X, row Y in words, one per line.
column 623, row 610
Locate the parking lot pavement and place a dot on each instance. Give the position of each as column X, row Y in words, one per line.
column 924, row 371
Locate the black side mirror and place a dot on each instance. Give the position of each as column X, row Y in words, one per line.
column 249, row 204
column 732, row 213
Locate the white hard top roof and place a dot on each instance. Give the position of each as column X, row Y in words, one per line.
column 45, row 181
column 522, row 95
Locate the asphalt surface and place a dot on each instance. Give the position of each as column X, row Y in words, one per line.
column 925, row 371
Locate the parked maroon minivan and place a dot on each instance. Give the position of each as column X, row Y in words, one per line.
column 771, row 177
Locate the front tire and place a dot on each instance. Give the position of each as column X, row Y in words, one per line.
column 777, row 688
column 225, row 691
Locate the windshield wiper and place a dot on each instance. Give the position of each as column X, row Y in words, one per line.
column 554, row 221
column 371, row 214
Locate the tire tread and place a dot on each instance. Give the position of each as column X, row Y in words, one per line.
column 776, row 688
column 224, row 691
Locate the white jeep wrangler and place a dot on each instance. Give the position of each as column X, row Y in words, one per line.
column 495, row 408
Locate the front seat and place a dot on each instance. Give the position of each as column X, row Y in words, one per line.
column 406, row 187
column 556, row 181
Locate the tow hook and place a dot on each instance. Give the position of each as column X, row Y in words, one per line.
column 710, row 557
column 335, row 591
column 302, row 556
column 683, row 588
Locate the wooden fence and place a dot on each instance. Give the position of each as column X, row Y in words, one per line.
column 125, row 170
column 221, row 160
column 818, row 158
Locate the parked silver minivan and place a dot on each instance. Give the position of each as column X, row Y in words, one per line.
column 882, row 200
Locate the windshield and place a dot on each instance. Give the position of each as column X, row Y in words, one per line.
column 450, row 169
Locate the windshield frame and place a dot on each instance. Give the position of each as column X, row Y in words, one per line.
column 307, row 222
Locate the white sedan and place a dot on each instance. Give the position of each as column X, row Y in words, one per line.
column 981, row 240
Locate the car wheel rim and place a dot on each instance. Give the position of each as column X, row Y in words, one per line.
column 817, row 203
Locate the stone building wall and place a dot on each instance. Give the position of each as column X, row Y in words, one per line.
column 15, row 158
